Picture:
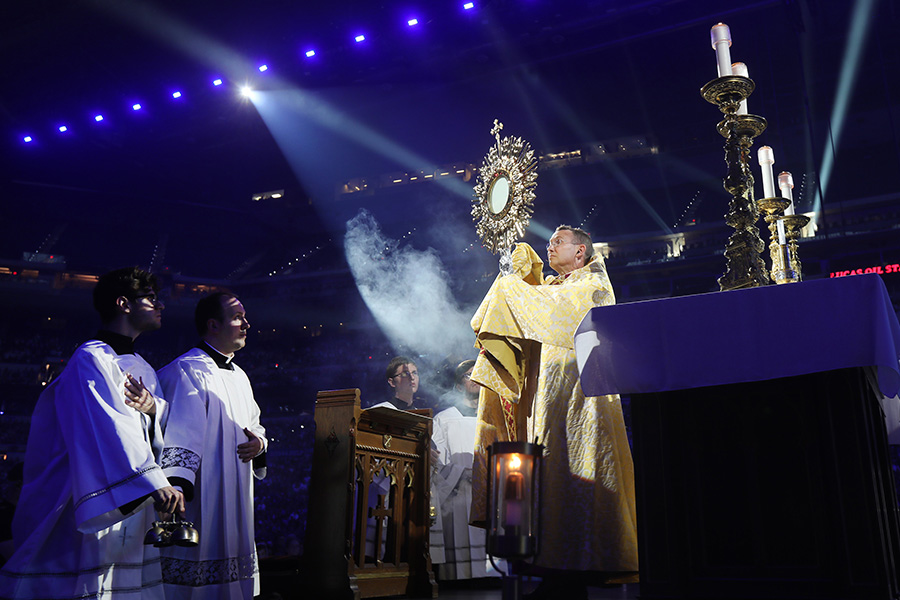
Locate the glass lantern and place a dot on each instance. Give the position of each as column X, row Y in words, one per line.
column 514, row 499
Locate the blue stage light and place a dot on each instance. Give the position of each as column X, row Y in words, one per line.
column 98, row 118
column 63, row 129
column 176, row 95
column 27, row 139
column 412, row 22
column 135, row 106
column 263, row 68
column 310, row 53
column 217, row 82
column 360, row 38
column 469, row 5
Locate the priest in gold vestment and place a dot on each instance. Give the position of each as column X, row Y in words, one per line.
column 531, row 392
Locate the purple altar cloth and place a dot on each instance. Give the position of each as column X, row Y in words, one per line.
column 741, row 335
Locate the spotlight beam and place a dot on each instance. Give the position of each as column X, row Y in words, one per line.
column 522, row 79
column 857, row 35
column 169, row 30
column 578, row 126
column 275, row 107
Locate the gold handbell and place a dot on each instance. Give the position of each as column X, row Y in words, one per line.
column 185, row 534
column 159, row 535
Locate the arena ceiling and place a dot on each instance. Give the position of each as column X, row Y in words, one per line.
column 173, row 181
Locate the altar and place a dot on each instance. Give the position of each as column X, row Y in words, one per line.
column 760, row 437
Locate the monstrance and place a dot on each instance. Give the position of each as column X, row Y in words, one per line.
column 504, row 194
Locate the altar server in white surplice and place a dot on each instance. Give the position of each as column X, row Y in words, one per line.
column 91, row 477
column 215, row 446
column 454, row 439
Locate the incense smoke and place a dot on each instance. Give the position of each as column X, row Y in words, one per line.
column 407, row 291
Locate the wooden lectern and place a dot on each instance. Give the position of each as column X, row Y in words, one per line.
column 369, row 502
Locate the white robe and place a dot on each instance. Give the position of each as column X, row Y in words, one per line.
column 209, row 408
column 464, row 546
column 88, row 454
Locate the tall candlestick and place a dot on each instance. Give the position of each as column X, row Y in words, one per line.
column 721, row 42
column 740, row 69
column 786, row 184
column 766, row 160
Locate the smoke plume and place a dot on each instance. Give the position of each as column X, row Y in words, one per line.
column 407, row 291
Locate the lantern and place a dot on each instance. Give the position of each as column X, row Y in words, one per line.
column 514, row 484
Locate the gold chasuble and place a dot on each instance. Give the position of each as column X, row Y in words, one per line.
column 531, row 392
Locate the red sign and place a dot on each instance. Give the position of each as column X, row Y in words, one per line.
column 895, row 268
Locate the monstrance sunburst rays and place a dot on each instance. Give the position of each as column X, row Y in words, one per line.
column 504, row 191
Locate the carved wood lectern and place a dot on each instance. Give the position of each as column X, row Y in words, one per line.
column 369, row 505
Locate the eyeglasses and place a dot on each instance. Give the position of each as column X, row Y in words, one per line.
column 556, row 242
column 407, row 374
column 152, row 297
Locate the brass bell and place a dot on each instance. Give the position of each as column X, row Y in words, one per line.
column 156, row 534
column 185, row 535
column 165, row 538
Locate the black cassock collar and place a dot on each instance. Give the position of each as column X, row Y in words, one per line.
column 121, row 344
column 401, row 405
column 222, row 361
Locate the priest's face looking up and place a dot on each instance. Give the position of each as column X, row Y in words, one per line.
column 405, row 381
column 229, row 334
column 564, row 254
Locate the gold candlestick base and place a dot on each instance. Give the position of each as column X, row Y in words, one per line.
column 773, row 211
column 782, row 264
column 744, row 267
column 792, row 226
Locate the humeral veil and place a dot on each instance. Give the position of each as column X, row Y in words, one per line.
column 531, row 392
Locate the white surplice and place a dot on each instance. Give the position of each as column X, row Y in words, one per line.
column 209, row 407
column 88, row 454
column 464, row 546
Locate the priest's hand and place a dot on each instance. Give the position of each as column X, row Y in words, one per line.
column 137, row 396
column 168, row 500
column 251, row 448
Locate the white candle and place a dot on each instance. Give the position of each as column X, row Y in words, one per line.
column 512, row 499
column 766, row 160
column 721, row 42
column 740, row 69
column 513, row 515
column 786, row 184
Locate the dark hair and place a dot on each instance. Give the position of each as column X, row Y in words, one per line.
column 128, row 282
column 461, row 369
column 397, row 361
column 581, row 237
column 210, row 307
